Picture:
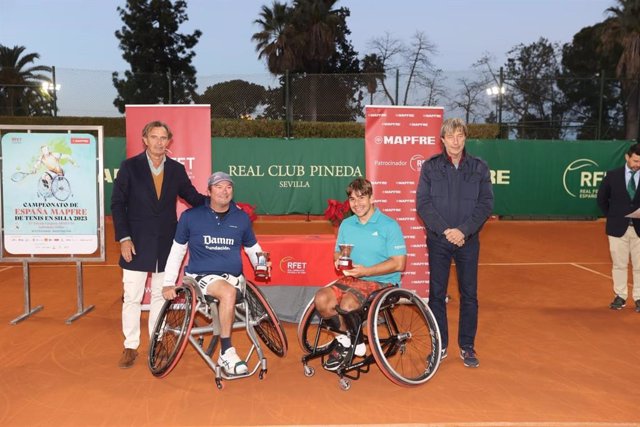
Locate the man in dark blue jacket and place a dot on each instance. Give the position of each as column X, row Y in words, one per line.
column 143, row 207
column 618, row 197
column 454, row 199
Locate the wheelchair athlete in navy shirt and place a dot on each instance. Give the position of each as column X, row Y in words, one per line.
column 214, row 235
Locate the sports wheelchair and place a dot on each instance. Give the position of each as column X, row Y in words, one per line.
column 191, row 316
column 399, row 329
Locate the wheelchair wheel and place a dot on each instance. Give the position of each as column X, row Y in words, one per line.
column 310, row 330
column 44, row 186
column 171, row 332
column 61, row 188
column 267, row 325
column 404, row 337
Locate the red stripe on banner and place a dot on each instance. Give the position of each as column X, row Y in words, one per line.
column 397, row 140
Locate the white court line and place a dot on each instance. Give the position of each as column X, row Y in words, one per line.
column 592, row 271
column 540, row 263
column 486, row 424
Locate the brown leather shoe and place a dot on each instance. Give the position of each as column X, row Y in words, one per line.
column 128, row 358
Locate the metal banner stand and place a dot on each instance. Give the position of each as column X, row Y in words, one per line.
column 81, row 311
column 28, row 311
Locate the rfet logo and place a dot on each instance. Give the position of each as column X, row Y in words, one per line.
column 290, row 265
column 416, row 162
column 581, row 178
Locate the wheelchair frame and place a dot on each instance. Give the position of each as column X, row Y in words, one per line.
column 402, row 336
column 177, row 325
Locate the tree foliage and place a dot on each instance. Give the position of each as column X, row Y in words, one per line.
column 592, row 92
column 234, row 99
column 414, row 61
column 309, row 40
column 624, row 29
column 21, row 92
column 531, row 93
column 159, row 56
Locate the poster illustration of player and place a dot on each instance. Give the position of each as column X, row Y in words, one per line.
column 49, row 193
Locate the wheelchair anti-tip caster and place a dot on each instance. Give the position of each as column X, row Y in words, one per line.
column 345, row 384
column 262, row 373
column 309, row 371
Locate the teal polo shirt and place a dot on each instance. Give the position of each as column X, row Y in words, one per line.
column 374, row 242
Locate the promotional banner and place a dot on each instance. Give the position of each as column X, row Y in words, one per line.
column 289, row 176
column 191, row 145
column 191, row 128
column 563, row 183
column 397, row 140
column 527, row 180
column 50, row 197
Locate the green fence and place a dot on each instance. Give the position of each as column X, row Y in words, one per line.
column 532, row 178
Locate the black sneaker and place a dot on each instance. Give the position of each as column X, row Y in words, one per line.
column 638, row 306
column 618, row 303
column 468, row 356
column 336, row 357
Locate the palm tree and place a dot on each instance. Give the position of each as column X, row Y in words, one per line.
column 20, row 85
column 275, row 42
column 624, row 28
column 299, row 38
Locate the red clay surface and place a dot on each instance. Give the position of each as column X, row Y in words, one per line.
column 551, row 353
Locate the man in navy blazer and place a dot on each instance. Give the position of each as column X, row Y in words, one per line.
column 617, row 197
column 143, row 207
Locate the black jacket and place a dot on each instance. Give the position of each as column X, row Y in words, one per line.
column 615, row 203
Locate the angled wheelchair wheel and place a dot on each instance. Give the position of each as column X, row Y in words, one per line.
column 404, row 337
column 312, row 335
column 171, row 332
column 60, row 188
column 44, row 186
column 267, row 325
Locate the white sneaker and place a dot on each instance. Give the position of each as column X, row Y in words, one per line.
column 231, row 363
column 360, row 350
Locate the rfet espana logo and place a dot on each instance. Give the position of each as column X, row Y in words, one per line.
column 290, row 265
column 416, row 162
column 581, row 178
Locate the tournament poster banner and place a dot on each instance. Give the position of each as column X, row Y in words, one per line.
column 49, row 193
column 398, row 139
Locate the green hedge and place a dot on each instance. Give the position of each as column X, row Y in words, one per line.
column 236, row 128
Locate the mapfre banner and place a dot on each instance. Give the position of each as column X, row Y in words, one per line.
column 397, row 140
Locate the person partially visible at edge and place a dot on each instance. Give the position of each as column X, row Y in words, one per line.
column 379, row 255
column 454, row 199
column 618, row 197
column 215, row 234
column 143, row 207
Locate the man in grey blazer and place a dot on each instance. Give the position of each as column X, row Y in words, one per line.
column 618, row 197
column 143, row 207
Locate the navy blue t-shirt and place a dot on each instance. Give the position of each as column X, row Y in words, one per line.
column 215, row 243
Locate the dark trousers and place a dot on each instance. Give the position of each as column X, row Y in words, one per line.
column 441, row 252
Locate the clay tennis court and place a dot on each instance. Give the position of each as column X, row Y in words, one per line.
column 551, row 353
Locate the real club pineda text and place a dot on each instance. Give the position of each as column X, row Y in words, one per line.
column 294, row 170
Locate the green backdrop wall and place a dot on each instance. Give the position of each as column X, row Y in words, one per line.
column 531, row 178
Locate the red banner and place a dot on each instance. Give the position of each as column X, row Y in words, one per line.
column 191, row 146
column 397, row 140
